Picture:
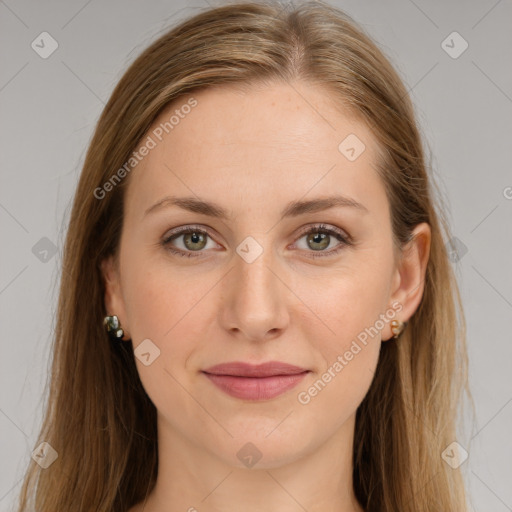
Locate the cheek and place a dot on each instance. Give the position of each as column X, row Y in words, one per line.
column 166, row 309
column 348, row 352
column 160, row 299
column 345, row 332
column 345, row 302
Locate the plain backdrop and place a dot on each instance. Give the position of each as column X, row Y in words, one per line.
column 49, row 107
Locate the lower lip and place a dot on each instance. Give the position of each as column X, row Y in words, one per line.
column 252, row 388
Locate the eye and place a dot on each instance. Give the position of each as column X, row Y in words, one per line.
column 194, row 239
column 319, row 237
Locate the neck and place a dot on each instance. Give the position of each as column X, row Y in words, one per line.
column 192, row 478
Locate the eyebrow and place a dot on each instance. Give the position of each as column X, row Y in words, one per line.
column 293, row 209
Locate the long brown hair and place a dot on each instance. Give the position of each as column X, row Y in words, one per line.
column 98, row 417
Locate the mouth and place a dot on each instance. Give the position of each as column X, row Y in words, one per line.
column 255, row 382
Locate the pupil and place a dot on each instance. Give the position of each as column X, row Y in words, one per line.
column 193, row 238
column 319, row 238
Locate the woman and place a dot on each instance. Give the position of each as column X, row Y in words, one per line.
column 257, row 310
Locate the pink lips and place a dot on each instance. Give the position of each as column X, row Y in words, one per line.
column 255, row 382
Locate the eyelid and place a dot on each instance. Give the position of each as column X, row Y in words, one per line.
column 321, row 227
column 188, row 228
column 344, row 239
column 341, row 235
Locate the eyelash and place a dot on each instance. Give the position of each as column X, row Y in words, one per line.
column 320, row 228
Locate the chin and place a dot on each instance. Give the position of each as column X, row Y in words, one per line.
column 265, row 448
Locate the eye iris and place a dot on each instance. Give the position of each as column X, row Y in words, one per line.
column 319, row 238
column 195, row 239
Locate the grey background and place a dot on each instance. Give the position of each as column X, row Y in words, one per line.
column 48, row 109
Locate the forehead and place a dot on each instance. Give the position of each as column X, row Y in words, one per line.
column 256, row 144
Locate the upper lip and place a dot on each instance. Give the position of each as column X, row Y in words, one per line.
column 240, row 369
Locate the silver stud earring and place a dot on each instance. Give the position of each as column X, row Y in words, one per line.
column 113, row 327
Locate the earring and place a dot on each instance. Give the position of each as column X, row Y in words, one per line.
column 113, row 327
column 397, row 328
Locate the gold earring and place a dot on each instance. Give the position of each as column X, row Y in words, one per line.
column 397, row 327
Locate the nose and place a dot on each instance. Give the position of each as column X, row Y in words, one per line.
column 255, row 297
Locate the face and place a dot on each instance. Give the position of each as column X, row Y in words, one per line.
column 311, row 287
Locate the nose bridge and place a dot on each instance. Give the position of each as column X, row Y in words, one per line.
column 254, row 260
column 256, row 298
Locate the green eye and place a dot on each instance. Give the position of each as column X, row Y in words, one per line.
column 194, row 240
column 318, row 238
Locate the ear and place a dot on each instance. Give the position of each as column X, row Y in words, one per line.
column 114, row 302
column 409, row 278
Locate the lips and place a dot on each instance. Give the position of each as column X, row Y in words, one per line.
column 255, row 382
column 238, row 369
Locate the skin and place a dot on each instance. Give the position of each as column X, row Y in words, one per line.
column 253, row 152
